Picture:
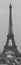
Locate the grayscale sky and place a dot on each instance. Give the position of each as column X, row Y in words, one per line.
column 4, row 22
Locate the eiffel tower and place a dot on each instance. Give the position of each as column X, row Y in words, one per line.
column 10, row 35
column 10, row 49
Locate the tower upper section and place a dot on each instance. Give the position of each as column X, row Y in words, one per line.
column 10, row 18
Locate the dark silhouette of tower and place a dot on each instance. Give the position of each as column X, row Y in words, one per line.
column 10, row 49
column 10, row 35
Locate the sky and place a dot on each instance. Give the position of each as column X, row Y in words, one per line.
column 4, row 22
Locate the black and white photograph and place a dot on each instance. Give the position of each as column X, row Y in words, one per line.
column 10, row 32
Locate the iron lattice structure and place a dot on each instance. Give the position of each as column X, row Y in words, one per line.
column 10, row 53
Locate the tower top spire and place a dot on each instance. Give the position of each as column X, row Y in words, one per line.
column 10, row 19
column 10, row 6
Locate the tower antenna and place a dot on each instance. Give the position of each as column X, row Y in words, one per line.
column 10, row 1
